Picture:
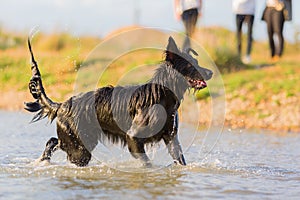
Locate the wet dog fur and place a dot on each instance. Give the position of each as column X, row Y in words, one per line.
column 131, row 115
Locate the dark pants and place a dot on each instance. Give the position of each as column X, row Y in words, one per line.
column 189, row 18
column 275, row 21
column 240, row 19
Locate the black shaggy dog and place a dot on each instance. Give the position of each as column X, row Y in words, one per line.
column 131, row 115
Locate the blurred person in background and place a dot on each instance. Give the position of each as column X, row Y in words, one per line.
column 275, row 13
column 244, row 11
column 188, row 11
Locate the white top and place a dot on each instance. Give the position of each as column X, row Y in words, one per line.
column 189, row 4
column 243, row 7
column 273, row 3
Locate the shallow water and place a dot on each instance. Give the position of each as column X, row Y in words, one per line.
column 243, row 164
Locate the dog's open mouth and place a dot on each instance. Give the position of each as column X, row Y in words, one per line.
column 197, row 84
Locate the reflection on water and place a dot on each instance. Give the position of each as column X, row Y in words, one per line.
column 243, row 164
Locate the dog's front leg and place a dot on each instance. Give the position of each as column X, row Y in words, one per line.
column 175, row 150
column 173, row 144
column 136, row 145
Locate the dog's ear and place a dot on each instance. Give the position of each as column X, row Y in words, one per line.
column 172, row 50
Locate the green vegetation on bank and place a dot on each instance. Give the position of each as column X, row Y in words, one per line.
column 61, row 54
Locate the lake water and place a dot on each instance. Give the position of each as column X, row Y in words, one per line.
column 242, row 165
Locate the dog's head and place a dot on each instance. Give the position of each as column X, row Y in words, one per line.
column 187, row 66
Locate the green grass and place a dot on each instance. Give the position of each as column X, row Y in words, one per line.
column 203, row 94
column 60, row 56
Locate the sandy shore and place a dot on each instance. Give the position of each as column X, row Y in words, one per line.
column 283, row 117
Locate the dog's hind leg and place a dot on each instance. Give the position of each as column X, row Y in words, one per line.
column 51, row 146
column 173, row 144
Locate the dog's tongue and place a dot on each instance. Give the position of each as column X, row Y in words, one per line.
column 203, row 84
column 198, row 84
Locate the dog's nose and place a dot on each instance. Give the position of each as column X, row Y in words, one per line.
column 209, row 73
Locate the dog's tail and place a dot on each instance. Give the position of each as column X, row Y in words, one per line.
column 43, row 104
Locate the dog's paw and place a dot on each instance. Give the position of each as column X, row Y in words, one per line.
column 147, row 164
column 40, row 163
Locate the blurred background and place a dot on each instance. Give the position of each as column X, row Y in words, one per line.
column 100, row 17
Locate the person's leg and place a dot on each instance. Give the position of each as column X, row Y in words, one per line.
column 194, row 17
column 239, row 23
column 189, row 18
column 186, row 21
column 250, row 20
column 278, row 30
column 269, row 21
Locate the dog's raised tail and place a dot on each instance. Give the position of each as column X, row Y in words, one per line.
column 43, row 105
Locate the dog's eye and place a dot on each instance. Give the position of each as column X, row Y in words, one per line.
column 190, row 65
column 193, row 62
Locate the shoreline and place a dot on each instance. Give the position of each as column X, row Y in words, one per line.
column 273, row 117
column 283, row 118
